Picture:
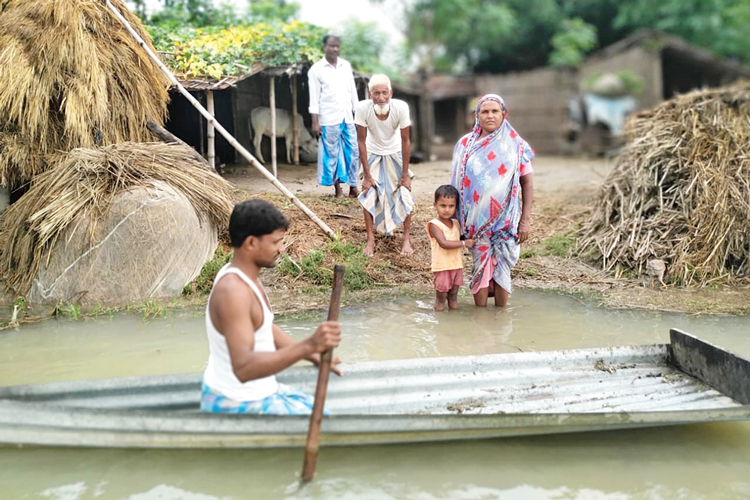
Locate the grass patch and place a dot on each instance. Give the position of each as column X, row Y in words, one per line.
column 69, row 309
column 151, row 309
column 560, row 245
column 531, row 272
column 205, row 280
column 315, row 267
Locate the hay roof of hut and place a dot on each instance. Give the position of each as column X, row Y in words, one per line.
column 85, row 182
column 680, row 190
column 72, row 77
column 217, row 57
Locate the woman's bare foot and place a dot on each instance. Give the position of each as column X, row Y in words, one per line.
column 353, row 192
column 338, row 193
column 440, row 306
column 407, row 249
column 369, row 248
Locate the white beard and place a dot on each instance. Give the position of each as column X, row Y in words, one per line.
column 382, row 109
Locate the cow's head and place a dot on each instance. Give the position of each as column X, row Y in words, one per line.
column 308, row 150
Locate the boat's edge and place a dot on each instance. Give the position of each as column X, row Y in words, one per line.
column 715, row 366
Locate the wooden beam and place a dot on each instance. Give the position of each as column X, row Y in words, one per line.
column 272, row 99
column 712, row 365
column 168, row 137
column 210, row 128
column 295, row 125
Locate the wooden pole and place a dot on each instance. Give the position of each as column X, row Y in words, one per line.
column 324, row 370
column 244, row 152
column 272, row 99
column 295, row 125
column 210, row 130
column 168, row 137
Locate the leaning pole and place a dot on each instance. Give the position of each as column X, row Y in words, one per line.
column 244, row 152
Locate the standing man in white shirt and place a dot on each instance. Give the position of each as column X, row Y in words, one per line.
column 384, row 148
column 333, row 97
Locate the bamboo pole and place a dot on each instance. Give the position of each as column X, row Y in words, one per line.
column 272, row 101
column 210, row 130
column 295, row 125
column 244, row 152
column 321, row 389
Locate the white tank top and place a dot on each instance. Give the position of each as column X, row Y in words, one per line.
column 219, row 375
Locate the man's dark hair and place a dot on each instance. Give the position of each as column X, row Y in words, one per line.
column 254, row 218
column 330, row 35
column 446, row 191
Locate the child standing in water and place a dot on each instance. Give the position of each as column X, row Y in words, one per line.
column 447, row 248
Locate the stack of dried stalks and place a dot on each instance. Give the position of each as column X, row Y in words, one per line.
column 680, row 190
column 71, row 77
column 82, row 184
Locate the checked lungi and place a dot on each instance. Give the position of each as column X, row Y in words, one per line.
column 338, row 154
column 388, row 203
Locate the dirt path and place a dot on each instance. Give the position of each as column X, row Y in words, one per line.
column 564, row 191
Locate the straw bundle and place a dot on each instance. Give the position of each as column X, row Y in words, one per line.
column 72, row 77
column 680, row 190
column 82, row 184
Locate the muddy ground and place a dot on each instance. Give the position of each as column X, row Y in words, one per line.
column 564, row 190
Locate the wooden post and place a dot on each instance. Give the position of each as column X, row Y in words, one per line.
column 272, row 98
column 244, row 152
column 295, row 125
column 210, row 129
column 324, row 370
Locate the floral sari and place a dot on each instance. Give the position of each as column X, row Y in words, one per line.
column 487, row 174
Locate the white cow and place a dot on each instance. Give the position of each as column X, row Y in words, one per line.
column 260, row 119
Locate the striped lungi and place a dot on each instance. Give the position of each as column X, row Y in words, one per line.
column 388, row 203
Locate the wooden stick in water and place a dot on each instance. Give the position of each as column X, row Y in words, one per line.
column 316, row 418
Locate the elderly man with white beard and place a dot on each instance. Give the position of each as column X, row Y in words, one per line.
column 384, row 147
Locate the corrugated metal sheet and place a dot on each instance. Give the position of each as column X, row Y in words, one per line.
column 376, row 402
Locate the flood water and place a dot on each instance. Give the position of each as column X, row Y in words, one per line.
column 709, row 461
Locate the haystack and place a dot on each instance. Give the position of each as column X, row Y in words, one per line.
column 118, row 223
column 680, row 190
column 71, row 77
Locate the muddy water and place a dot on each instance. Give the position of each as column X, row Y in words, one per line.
column 703, row 461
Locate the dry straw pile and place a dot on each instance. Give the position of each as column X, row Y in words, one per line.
column 84, row 183
column 71, row 77
column 680, row 190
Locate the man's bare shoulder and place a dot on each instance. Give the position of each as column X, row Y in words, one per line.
column 230, row 289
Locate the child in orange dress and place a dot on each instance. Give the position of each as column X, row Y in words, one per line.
column 447, row 248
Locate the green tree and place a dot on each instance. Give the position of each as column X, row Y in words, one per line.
column 363, row 44
column 571, row 43
column 722, row 26
column 272, row 10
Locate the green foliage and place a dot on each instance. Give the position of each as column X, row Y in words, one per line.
column 464, row 31
column 633, row 83
column 572, row 42
column 68, row 309
column 559, row 245
column 213, row 52
column 273, row 10
column 205, row 280
column 722, row 26
column 313, row 267
column 362, row 43
column 531, row 272
column 151, row 309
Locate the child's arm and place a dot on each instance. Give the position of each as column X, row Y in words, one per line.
column 437, row 233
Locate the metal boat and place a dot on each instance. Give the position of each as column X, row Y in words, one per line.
column 427, row 399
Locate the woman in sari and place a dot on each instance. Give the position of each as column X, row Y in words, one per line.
column 489, row 165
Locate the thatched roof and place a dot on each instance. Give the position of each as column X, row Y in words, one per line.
column 72, row 77
column 680, row 190
column 83, row 182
